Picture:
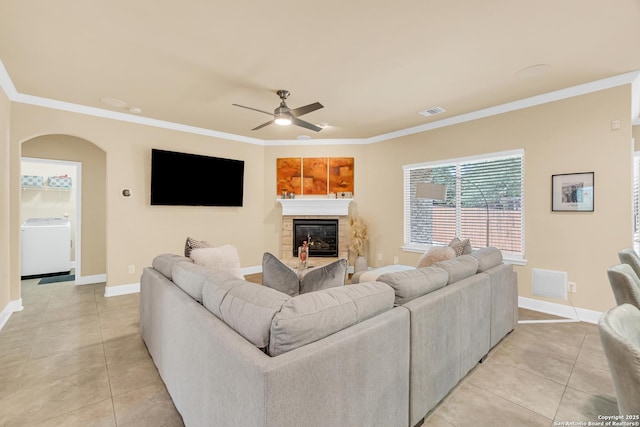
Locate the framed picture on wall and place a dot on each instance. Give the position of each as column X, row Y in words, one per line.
column 572, row 192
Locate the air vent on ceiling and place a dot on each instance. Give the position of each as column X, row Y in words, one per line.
column 432, row 111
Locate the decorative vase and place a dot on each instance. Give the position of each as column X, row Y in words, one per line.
column 360, row 264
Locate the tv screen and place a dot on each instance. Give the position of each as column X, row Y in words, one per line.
column 181, row 179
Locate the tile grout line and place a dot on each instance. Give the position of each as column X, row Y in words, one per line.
column 106, row 363
column 573, row 367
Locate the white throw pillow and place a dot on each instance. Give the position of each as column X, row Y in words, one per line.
column 224, row 259
column 436, row 254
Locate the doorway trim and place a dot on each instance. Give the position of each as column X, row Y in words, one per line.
column 77, row 192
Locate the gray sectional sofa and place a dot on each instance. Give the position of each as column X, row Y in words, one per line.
column 382, row 353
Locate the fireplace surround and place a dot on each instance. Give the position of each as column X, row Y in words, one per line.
column 314, row 209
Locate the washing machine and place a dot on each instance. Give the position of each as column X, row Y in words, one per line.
column 46, row 246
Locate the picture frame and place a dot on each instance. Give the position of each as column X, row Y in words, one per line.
column 572, row 192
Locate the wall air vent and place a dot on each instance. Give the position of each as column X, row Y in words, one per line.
column 432, row 111
column 548, row 283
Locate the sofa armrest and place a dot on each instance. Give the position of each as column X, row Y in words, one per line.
column 334, row 373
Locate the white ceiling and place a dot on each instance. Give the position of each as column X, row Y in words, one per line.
column 373, row 65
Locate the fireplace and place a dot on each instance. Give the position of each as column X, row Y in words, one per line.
column 320, row 234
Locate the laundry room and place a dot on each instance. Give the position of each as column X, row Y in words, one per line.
column 48, row 213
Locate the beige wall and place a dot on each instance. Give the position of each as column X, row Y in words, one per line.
column 572, row 135
column 5, row 213
column 636, row 137
column 273, row 211
column 136, row 231
column 93, row 159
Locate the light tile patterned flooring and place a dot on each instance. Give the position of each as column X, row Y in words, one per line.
column 75, row 358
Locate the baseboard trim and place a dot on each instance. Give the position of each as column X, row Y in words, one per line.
column 91, row 280
column 8, row 310
column 114, row 291
column 583, row 314
column 251, row 270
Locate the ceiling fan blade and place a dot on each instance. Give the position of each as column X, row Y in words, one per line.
column 254, row 109
column 297, row 112
column 304, row 124
column 263, row 125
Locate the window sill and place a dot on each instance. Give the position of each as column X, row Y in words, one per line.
column 512, row 259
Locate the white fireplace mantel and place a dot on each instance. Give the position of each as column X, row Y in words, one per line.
column 315, row 207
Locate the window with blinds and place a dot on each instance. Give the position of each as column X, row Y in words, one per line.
column 636, row 200
column 478, row 188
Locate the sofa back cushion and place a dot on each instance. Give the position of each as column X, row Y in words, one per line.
column 312, row 316
column 487, row 258
column 459, row 268
column 164, row 263
column 248, row 308
column 411, row 284
column 190, row 277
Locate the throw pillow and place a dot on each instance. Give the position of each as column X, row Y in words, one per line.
column 327, row 276
column 224, row 259
column 436, row 254
column 279, row 276
column 462, row 247
column 192, row 244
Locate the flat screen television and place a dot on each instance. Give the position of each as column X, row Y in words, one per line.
column 181, row 179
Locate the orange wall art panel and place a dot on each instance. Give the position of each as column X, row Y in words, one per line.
column 315, row 175
column 340, row 174
column 289, row 172
column 314, row 172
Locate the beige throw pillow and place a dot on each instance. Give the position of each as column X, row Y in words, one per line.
column 436, row 254
column 224, row 258
column 461, row 247
column 192, row 244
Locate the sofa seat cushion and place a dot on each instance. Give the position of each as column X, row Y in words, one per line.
column 324, row 277
column 164, row 263
column 312, row 316
column 279, row 276
column 459, row 268
column 411, row 284
column 487, row 258
column 190, row 277
column 248, row 308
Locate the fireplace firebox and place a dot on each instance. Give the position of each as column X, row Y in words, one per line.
column 321, row 236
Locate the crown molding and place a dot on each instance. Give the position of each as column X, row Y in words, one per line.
column 628, row 78
column 6, row 84
column 520, row 104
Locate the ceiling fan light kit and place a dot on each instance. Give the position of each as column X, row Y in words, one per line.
column 282, row 120
column 285, row 116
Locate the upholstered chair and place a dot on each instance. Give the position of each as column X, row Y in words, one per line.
column 620, row 337
column 629, row 256
column 625, row 284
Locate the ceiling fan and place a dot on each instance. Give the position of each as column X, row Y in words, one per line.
column 285, row 116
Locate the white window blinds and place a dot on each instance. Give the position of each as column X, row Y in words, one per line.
column 478, row 188
column 636, row 200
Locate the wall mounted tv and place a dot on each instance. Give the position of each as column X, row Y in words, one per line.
column 181, row 179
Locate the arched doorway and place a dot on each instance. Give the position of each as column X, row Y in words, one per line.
column 91, row 236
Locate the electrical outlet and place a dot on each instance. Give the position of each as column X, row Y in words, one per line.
column 132, row 269
column 572, row 287
column 379, row 257
column 395, row 259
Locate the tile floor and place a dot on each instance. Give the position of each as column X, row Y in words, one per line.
column 75, row 358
